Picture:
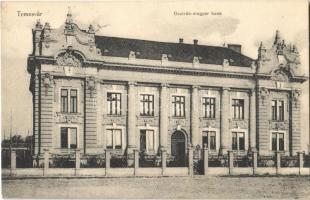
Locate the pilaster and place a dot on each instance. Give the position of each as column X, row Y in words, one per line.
column 252, row 120
column 131, row 117
column 195, row 116
column 224, row 120
column 163, row 116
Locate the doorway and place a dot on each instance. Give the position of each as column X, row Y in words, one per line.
column 178, row 148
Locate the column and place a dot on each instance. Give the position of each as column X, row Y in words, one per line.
column 252, row 120
column 195, row 116
column 224, row 120
column 131, row 118
column 164, row 109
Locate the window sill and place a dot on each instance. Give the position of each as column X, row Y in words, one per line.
column 147, row 116
column 209, row 118
column 175, row 117
column 69, row 113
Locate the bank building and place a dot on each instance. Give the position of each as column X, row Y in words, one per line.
column 96, row 93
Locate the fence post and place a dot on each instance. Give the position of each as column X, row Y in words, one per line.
column 190, row 161
column 77, row 160
column 163, row 161
column 13, row 160
column 136, row 163
column 107, row 161
column 278, row 161
column 46, row 161
column 205, row 159
column 230, row 161
column 254, row 161
column 300, row 161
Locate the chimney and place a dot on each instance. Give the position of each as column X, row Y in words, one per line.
column 195, row 41
column 181, row 40
column 234, row 47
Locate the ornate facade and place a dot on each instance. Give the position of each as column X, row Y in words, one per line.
column 94, row 92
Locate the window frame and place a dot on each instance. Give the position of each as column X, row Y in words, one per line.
column 178, row 104
column 109, row 104
column 238, row 133
column 278, row 133
column 68, row 101
column 150, row 104
column 277, row 110
column 113, row 131
column 208, row 106
column 207, row 133
column 68, row 133
column 238, row 108
column 147, row 148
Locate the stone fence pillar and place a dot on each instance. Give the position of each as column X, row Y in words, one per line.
column 13, row 159
column 230, row 161
column 205, row 159
column 278, row 161
column 107, row 161
column 77, row 159
column 46, row 161
column 254, row 161
column 300, row 161
column 163, row 161
column 136, row 161
column 190, row 162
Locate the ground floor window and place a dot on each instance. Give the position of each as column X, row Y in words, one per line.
column 277, row 142
column 68, row 138
column 238, row 141
column 147, row 139
column 114, row 138
column 209, row 139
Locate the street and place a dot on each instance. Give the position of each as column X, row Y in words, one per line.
column 164, row 187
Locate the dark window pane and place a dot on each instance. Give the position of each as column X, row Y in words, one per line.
column 274, row 142
column 64, row 100
column 241, row 141
column 281, row 142
column 205, row 140
column 212, row 141
column 73, row 138
column 64, row 137
column 234, row 141
column 73, row 101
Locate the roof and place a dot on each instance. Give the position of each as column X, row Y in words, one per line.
column 180, row 52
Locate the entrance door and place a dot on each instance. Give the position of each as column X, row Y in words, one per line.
column 178, row 148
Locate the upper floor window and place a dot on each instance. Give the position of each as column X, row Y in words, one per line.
column 114, row 138
column 277, row 108
column 114, row 103
column 209, row 107
column 178, row 105
column 68, row 137
column 68, row 100
column 238, row 141
column 238, row 108
column 277, row 141
column 146, row 105
column 209, row 138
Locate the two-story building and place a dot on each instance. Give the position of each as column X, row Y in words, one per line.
column 93, row 93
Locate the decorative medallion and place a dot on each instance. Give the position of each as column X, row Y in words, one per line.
column 68, row 58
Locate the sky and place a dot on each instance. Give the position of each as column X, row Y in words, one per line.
column 241, row 22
